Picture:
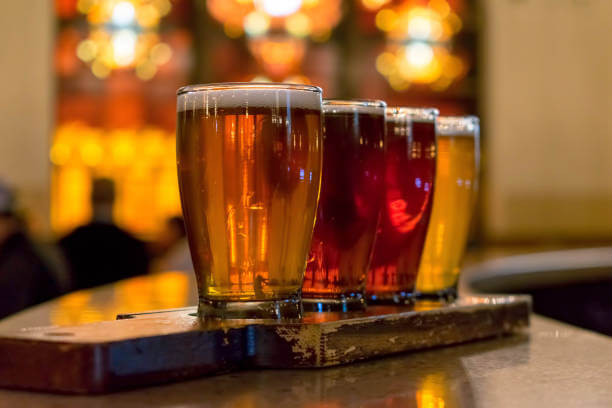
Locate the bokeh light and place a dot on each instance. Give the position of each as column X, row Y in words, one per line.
column 123, row 14
column 256, row 23
column 419, row 44
column 123, row 34
column 277, row 31
column 374, row 4
column 420, row 63
column 419, row 54
column 315, row 18
column 298, row 25
column 279, row 8
column 124, row 47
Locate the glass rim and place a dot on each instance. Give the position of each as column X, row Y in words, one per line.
column 364, row 103
column 428, row 114
column 458, row 118
column 222, row 86
column 467, row 125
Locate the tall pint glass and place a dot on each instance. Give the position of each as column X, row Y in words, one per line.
column 456, row 189
column 249, row 167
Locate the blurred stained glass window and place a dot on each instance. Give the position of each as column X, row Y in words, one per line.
column 118, row 64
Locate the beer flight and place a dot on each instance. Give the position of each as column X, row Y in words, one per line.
column 293, row 202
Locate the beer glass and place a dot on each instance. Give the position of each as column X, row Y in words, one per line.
column 410, row 166
column 249, row 167
column 456, row 189
column 352, row 189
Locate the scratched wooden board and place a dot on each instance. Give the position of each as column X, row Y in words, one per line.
column 107, row 356
column 384, row 330
column 150, row 348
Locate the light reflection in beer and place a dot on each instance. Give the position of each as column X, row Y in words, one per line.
column 247, row 215
column 415, row 152
column 401, row 221
column 231, row 226
column 264, row 239
column 246, row 134
column 232, row 132
column 440, row 231
column 384, row 275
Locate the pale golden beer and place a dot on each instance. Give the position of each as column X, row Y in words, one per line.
column 249, row 163
column 456, row 190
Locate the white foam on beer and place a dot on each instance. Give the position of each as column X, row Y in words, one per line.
column 372, row 107
column 417, row 114
column 458, row 126
column 249, row 98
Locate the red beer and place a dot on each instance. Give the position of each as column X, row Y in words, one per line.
column 352, row 192
column 410, row 167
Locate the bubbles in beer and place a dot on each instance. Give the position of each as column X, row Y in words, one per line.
column 249, row 170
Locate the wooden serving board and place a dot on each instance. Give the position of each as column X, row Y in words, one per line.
column 156, row 347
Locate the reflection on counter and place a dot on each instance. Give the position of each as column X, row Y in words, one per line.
column 164, row 290
column 433, row 392
column 424, row 305
column 427, row 379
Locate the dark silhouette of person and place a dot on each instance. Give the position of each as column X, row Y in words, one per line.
column 171, row 249
column 169, row 237
column 101, row 252
column 26, row 279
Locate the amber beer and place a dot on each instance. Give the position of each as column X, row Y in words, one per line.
column 249, row 167
column 456, row 189
column 410, row 166
column 352, row 190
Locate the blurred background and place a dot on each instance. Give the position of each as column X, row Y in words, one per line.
column 88, row 93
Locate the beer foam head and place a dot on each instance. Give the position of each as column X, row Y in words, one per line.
column 458, row 125
column 248, row 94
column 416, row 114
column 369, row 106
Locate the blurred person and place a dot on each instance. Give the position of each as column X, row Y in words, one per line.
column 172, row 233
column 26, row 278
column 172, row 249
column 101, row 252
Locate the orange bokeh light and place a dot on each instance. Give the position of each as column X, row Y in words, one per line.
column 141, row 162
column 418, row 51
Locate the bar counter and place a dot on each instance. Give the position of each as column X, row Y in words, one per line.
column 549, row 364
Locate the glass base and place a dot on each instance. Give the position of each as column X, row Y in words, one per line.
column 344, row 304
column 290, row 308
column 391, row 298
column 448, row 295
